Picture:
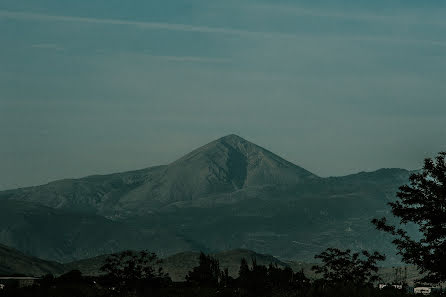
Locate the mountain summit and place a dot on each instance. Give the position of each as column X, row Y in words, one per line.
column 232, row 163
column 221, row 167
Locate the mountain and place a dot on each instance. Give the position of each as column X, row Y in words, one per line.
column 13, row 262
column 226, row 195
column 64, row 236
column 227, row 165
column 87, row 195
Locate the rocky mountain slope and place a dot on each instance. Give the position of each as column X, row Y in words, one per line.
column 226, row 195
column 64, row 236
column 227, row 165
column 13, row 262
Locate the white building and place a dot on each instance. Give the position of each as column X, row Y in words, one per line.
column 398, row 286
column 422, row 290
column 21, row 282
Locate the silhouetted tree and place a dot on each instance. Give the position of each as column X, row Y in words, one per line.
column 47, row 280
column 422, row 202
column 300, row 280
column 343, row 267
column 207, row 273
column 225, row 279
column 280, row 278
column 129, row 267
column 71, row 276
column 243, row 273
column 254, row 281
column 259, row 275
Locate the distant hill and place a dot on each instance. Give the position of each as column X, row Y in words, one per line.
column 226, row 195
column 180, row 264
column 65, row 236
column 13, row 262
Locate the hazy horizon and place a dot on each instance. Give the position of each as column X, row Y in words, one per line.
column 96, row 87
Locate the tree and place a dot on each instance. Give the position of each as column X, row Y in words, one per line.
column 422, row 202
column 71, row 276
column 128, row 267
column 343, row 267
column 254, row 281
column 259, row 275
column 226, row 280
column 243, row 273
column 280, row 277
column 207, row 273
column 300, row 280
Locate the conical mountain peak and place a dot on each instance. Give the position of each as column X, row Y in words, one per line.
column 216, row 170
column 233, row 145
column 228, row 164
column 232, row 138
column 238, row 143
column 224, row 145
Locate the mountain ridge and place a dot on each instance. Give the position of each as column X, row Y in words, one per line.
column 227, row 164
column 143, row 172
column 227, row 194
column 14, row 262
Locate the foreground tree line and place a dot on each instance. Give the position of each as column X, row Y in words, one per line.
column 140, row 274
column 343, row 273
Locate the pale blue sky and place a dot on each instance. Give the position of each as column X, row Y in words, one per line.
column 337, row 87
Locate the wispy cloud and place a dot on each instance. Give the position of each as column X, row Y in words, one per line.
column 191, row 59
column 177, row 58
column 206, row 29
column 147, row 25
column 50, row 46
column 351, row 15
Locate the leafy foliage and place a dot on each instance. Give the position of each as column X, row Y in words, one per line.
column 423, row 203
column 345, row 267
column 257, row 280
column 260, row 280
column 207, row 273
column 128, row 266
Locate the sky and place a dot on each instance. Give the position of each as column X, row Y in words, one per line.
column 101, row 86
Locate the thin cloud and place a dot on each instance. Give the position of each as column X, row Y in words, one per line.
column 191, row 59
column 299, row 11
column 50, row 46
column 201, row 29
column 185, row 59
column 307, row 244
column 146, row 25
